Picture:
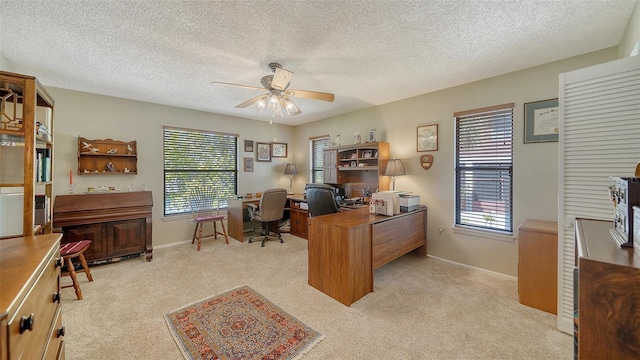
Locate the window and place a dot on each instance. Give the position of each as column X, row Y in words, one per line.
column 193, row 158
column 484, row 168
column 316, row 145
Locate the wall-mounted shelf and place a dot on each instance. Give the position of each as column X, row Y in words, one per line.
column 107, row 157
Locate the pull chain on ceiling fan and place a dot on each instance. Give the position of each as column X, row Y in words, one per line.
column 279, row 95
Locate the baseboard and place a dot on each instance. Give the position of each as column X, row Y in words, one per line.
column 474, row 268
column 171, row 244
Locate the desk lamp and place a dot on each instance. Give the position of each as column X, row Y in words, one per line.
column 394, row 169
column 290, row 170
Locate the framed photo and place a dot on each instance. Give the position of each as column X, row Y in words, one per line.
column 248, row 146
column 366, row 154
column 278, row 150
column 541, row 121
column 263, row 151
column 427, row 137
column 372, row 135
column 248, row 164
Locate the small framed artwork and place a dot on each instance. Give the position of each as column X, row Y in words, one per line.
column 372, row 135
column 248, row 164
column 541, row 121
column 427, row 137
column 278, row 150
column 366, row 154
column 263, row 151
column 248, row 146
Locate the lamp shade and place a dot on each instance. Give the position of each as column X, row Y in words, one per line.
column 394, row 168
column 290, row 169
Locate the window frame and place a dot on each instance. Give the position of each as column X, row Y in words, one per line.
column 496, row 171
column 201, row 174
column 317, row 143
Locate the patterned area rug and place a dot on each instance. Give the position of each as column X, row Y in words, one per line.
column 239, row 324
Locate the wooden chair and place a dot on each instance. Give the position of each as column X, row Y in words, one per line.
column 205, row 209
column 70, row 251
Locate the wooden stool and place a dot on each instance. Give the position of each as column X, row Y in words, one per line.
column 70, row 251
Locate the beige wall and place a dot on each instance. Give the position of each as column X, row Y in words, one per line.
column 535, row 165
column 630, row 43
column 99, row 117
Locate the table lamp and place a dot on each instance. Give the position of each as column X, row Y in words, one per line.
column 394, row 169
column 290, row 170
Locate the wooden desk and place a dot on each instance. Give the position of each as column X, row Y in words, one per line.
column 236, row 220
column 345, row 248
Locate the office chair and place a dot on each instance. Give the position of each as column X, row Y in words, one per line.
column 270, row 210
column 321, row 199
column 204, row 203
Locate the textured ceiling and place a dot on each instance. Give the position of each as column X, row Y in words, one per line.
column 365, row 52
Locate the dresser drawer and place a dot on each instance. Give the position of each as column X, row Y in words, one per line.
column 40, row 308
column 54, row 350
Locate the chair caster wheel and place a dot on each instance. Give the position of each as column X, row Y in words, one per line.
column 262, row 245
column 250, row 241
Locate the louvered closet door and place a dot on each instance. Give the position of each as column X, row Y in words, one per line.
column 599, row 137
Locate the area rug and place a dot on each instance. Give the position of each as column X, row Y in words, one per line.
column 239, row 324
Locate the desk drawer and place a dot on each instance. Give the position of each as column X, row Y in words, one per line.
column 40, row 307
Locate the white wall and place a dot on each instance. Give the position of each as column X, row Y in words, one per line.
column 535, row 165
column 101, row 117
column 630, row 43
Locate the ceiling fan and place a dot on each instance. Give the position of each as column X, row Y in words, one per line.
column 278, row 94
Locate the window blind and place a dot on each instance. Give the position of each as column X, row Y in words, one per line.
column 484, row 168
column 316, row 160
column 195, row 158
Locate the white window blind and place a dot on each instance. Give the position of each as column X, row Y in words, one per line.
column 195, row 158
column 484, row 166
column 316, row 161
column 599, row 137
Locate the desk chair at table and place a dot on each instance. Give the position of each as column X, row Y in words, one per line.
column 205, row 208
column 270, row 210
column 321, row 199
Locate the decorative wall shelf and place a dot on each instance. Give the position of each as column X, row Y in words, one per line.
column 107, row 157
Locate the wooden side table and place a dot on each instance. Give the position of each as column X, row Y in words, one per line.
column 538, row 264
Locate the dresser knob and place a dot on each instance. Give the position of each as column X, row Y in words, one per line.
column 26, row 323
column 61, row 332
column 59, row 262
column 56, row 297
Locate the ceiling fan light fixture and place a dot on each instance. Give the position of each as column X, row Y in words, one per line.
column 291, row 108
column 260, row 105
column 273, row 102
column 277, row 112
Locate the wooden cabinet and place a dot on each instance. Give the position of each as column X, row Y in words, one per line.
column 30, row 317
column 26, row 156
column 538, row 264
column 358, row 166
column 608, row 296
column 118, row 224
column 111, row 157
column 299, row 216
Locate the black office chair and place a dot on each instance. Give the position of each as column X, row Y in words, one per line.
column 270, row 210
column 321, row 199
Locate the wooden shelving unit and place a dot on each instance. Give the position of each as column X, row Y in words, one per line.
column 95, row 155
column 26, row 161
column 357, row 166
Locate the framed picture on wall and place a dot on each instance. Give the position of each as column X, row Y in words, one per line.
column 278, row 150
column 248, row 164
column 541, row 121
column 248, row 146
column 427, row 137
column 263, row 151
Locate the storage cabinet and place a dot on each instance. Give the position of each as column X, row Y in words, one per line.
column 30, row 317
column 26, row 161
column 358, row 166
column 299, row 217
column 111, row 157
column 118, row 224
column 608, row 296
column 538, row 264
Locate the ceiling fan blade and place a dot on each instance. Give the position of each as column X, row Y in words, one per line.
column 281, row 78
column 252, row 101
column 239, row 86
column 316, row 95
